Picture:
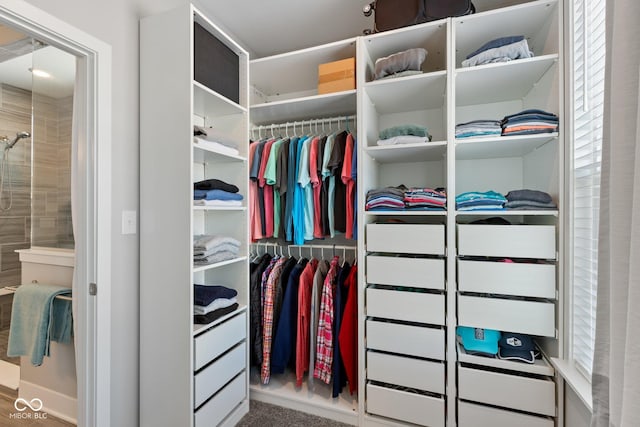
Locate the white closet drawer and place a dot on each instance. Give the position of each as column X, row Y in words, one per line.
column 472, row 415
column 402, row 271
column 509, row 391
column 209, row 381
column 405, row 371
column 405, row 339
column 532, row 280
column 517, row 241
column 221, row 405
column 406, row 238
column 527, row 317
column 405, row 406
column 216, row 341
column 406, row 305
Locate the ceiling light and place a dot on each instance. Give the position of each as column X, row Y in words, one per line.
column 39, row 73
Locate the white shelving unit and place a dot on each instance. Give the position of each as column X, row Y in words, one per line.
column 280, row 95
column 205, row 365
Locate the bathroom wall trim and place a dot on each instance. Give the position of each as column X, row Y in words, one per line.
column 93, row 312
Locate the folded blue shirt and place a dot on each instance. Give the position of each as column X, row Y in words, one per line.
column 215, row 195
column 499, row 42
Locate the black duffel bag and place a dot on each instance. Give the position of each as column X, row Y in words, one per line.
column 392, row 14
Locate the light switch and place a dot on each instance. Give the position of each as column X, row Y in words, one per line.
column 129, row 222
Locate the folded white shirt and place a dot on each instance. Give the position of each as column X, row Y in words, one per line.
column 221, row 203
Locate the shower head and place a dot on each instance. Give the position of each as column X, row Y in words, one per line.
column 19, row 136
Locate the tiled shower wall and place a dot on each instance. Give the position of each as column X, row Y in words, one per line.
column 49, row 224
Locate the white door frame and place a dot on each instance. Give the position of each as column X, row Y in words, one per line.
column 93, row 312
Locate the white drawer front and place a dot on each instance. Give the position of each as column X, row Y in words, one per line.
column 405, row 406
column 405, row 371
column 472, row 415
column 221, row 405
column 209, row 381
column 405, row 339
column 216, row 341
column 404, row 305
column 532, row 280
column 402, row 271
column 517, row 241
column 509, row 391
column 527, row 317
column 406, row 238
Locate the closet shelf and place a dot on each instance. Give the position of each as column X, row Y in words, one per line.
column 529, row 19
column 332, row 104
column 509, row 213
column 501, row 146
column 397, row 95
column 208, row 103
column 198, row 268
column 220, row 208
column 408, row 152
column 406, row 213
column 207, row 154
column 540, row 367
column 297, row 71
column 498, row 82
column 198, row 329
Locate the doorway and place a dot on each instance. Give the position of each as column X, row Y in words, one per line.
column 91, row 201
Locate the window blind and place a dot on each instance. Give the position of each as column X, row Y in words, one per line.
column 588, row 104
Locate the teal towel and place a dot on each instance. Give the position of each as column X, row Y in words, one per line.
column 35, row 319
column 404, row 130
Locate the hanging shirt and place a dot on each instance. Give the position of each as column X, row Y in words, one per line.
column 304, row 179
column 328, row 186
column 303, row 321
column 348, row 336
column 281, row 187
column 267, row 190
column 340, row 194
column 281, row 285
column 284, row 343
column 269, row 277
column 324, row 341
column 255, row 174
column 291, row 184
column 354, row 176
column 316, row 292
column 298, row 199
column 254, row 209
column 316, row 183
column 339, row 374
column 271, row 179
column 347, row 164
column 256, row 305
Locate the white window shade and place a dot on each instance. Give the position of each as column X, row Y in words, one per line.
column 588, row 99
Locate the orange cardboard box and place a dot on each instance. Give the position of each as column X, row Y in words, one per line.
column 337, row 76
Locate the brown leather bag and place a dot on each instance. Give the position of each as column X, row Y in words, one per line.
column 392, row 14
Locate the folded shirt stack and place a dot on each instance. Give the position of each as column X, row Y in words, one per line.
column 214, row 192
column 212, row 302
column 425, row 198
column 502, row 49
column 528, row 122
column 404, row 134
column 477, row 200
column 529, row 200
column 401, row 62
column 209, row 249
column 385, row 198
column 210, row 139
column 479, row 128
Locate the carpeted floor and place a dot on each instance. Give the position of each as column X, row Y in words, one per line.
column 265, row 415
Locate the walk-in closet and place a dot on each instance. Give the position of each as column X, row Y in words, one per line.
column 365, row 251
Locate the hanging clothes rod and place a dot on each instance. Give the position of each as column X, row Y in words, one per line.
column 309, row 122
column 273, row 244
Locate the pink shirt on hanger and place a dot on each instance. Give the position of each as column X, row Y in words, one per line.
column 254, row 211
column 317, row 188
column 349, row 182
column 268, row 189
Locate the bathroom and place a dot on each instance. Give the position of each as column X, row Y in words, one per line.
column 36, row 115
